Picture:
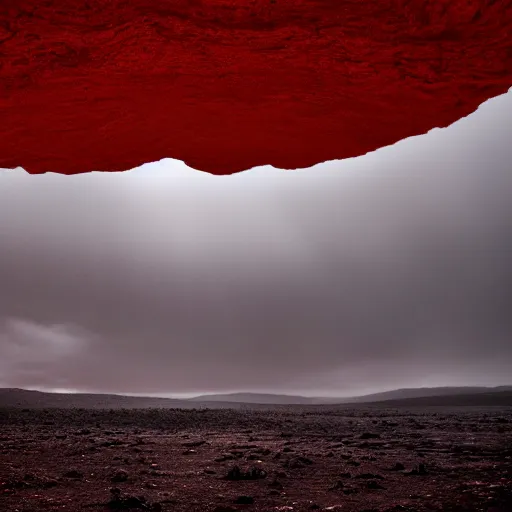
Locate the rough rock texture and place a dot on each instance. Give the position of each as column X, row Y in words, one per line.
column 229, row 84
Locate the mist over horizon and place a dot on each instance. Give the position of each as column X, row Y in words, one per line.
column 380, row 272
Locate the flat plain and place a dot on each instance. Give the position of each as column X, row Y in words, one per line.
column 295, row 458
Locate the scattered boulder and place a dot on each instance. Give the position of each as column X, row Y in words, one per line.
column 369, row 435
column 373, row 484
column 119, row 502
column 224, row 457
column 338, row 486
column 120, row 476
column 276, row 484
column 369, row 476
column 235, row 473
column 73, row 474
column 421, row 470
column 193, row 444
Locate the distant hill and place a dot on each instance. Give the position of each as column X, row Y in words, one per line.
column 502, row 395
column 492, row 398
column 12, row 397
column 396, row 394
column 262, row 398
column 406, row 393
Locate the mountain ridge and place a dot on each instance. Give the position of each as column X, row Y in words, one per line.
column 467, row 395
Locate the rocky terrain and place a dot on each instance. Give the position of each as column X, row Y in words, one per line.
column 280, row 459
column 224, row 85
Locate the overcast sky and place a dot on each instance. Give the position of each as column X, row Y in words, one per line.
column 393, row 269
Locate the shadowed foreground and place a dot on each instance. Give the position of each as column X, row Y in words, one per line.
column 294, row 459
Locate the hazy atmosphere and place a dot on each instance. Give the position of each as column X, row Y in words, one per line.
column 388, row 270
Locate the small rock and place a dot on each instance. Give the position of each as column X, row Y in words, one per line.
column 367, row 476
column 338, row 486
column 276, row 484
column 244, row 500
column 76, row 475
column 193, row 444
column 120, row 476
column 369, row 435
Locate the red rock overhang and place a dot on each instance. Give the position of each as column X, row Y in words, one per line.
column 226, row 85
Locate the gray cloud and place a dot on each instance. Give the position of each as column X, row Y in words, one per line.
column 386, row 270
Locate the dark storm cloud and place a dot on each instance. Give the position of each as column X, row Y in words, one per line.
column 387, row 270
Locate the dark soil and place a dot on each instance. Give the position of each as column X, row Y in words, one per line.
column 351, row 460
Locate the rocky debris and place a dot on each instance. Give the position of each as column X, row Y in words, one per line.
column 297, row 462
column 373, row 484
column 476, row 478
column 119, row 502
column 339, row 485
column 244, row 500
column 189, row 452
column 224, row 457
column 29, row 480
column 369, row 435
column 73, row 474
column 235, row 473
column 262, row 451
column 193, row 444
column 276, row 484
column 369, row 476
column 114, row 442
column 421, row 470
column 119, row 476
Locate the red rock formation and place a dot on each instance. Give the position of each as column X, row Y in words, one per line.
column 229, row 84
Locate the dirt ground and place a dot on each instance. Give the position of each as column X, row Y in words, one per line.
column 284, row 459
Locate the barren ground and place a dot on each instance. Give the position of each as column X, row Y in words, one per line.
column 290, row 459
